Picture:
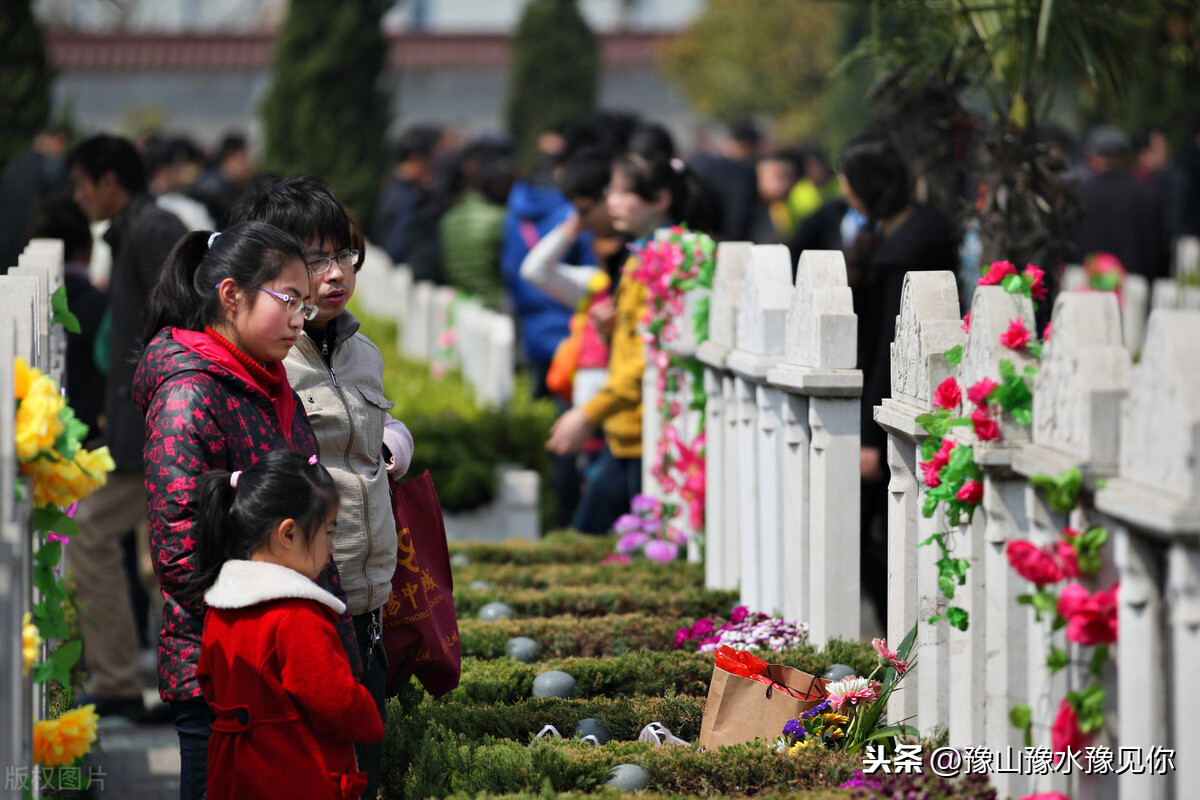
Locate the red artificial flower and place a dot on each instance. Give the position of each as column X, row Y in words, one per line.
column 986, row 429
column 930, row 475
column 1068, row 558
column 1038, row 288
column 1017, row 335
column 1090, row 620
column 1033, row 563
column 970, row 493
column 966, row 326
column 942, row 457
column 1065, row 732
column 947, row 395
column 978, row 393
column 1046, row 796
column 997, row 272
column 1046, row 332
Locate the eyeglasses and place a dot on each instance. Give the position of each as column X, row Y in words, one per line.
column 319, row 266
column 293, row 304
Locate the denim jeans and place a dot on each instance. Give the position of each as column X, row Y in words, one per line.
column 192, row 722
column 611, row 485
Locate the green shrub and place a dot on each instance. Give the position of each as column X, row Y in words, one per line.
column 586, row 601
column 561, row 547
column 570, row 636
column 542, row 576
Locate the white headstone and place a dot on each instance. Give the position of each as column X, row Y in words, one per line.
column 762, row 311
column 822, row 330
column 732, row 258
column 928, row 325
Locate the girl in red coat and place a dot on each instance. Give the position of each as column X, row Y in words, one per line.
column 287, row 708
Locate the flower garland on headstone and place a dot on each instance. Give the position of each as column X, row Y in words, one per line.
column 669, row 266
column 61, row 472
column 952, row 477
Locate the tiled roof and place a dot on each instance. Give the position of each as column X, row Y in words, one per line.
column 74, row 51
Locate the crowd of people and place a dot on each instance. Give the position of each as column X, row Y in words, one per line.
column 246, row 413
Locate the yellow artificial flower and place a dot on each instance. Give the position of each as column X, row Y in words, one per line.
column 31, row 642
column 38, row 424
column 59, row 482
column 836, row 733
column 833, row 718
column 23, row 376
column 63, row 741
column 804, row 744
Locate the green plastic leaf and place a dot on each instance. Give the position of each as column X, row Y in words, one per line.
column 933, row 538
column 1099, row 656
column 1007, row 371
column 929, row 447
column 1057, row 659
column 1013, row 284
column 60, row 314
column 1023, row 415
column 1034, row 349
column 1022, row 719
column 954, row 355
column 958, row 617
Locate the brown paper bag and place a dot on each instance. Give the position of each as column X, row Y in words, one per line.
column 741, row 709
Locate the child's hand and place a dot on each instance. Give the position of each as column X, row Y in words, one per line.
column 603, row 314
column 569, row 432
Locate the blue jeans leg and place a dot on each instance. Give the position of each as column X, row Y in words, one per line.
column 612, row 483
column 192, row 721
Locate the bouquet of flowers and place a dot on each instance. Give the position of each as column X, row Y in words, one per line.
column 853, row 714
column 742, row 631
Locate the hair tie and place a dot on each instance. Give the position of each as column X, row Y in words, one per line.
column 312, row 460
column 233, row 478
column 677, row 164
column 212, row 239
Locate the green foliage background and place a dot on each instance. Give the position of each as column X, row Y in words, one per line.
column 25, row 78
column 323, row 112
column 553, row 73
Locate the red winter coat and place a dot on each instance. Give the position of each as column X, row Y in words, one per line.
column 204, row 411
column 287, row 708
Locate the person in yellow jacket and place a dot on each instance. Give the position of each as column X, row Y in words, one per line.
column 645, row 194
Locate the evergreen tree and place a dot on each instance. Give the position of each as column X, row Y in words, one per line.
column 25, row 78
column 553, row 75
column 324, row 113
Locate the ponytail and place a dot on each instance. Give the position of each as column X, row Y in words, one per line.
column 251, row 253
column 216, row 541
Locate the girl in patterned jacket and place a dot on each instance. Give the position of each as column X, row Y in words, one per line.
column 288, row 710
column 225, row 312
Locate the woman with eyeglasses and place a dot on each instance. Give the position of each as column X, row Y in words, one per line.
column 224, row 314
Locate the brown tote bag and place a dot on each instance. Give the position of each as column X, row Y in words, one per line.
column 741, row 709
column 420, row 626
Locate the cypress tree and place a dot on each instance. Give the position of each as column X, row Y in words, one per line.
column 25, row 77
column 324, row 112
column 553, row 72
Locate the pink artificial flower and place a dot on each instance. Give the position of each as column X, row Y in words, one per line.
column 986, row 429
column 978, row 394
column 1017, row 335
column 703, row 627
column 662, row 359
column 661, row 551
column 888, row 657
column 447, row 338
column 675, row 408
column 1046, row 796
column 1065, row 732
column 947, row 395
column 738, row 614
column 852, row 691
column 631, row 542
column 682, row 635
column 1090, row 620
column 966, row 326
column 970, row 493
column 1046, row 332
column 930, row 474
column 675, row 535
column 1067, row 557
column 1038, row 288
column 997, row 272
column 1033, row 563
column 51, row 536
column 627, row 523
column 616, row 558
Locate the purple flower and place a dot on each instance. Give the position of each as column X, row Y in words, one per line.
column 627, row 523
column 703, row 626
column 819, row 708
column 631, row 542
column 643, row 504
column 739, row 614
column 651, row 527
column 860, row 781
column 682, row 635
column 793, row 728
column 663, row 552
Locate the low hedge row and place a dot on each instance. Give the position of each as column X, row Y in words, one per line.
column 559, row 547
column 588, row 601
column 542, row 576
column 570, row 636
column 637, row 673
column 450, row 763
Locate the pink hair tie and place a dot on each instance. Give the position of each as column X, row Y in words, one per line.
column 677, row 164
column 312, row 460
column 233, row 478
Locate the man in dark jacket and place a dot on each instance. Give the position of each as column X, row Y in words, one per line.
column 110, row 183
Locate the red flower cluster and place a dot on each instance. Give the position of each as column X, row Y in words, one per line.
column 970, row 493
column 947, row 395
column 1091, row 620
column 1044, row 565
column 1017, row 335
column 1065, row 732
column 931, row 468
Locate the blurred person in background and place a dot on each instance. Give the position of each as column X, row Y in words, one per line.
column 171, row 166
column 472, row 229
column 409, row 207
column 730, row 180
column 221, row 185
column 30, row 177
column 776, row 175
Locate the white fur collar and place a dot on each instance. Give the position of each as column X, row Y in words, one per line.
column 242, row 584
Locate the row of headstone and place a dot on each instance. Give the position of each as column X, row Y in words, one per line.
column 25, row 332
column 446, row 330
column 1134, row 434
column 782, row 432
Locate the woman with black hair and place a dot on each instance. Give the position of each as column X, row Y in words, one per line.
column 899, row 237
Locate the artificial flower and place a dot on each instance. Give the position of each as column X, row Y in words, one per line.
column 851, row 691
column 1033, row 563
column 889, row 658
column 61, row 742
column 793, row 728
column 1037, row 288
column 978, row 394
column 38, row 424
column 1065, row 732
column 1046, row 796
column 947, row 395
column 661, row 551
column 1017, row 335
column 738, row 614
column 997, row 272
column 23, row 377
column 1067, row 557
column 986, row 429
column 702, row 627
column 31, row 642
column 632, row 542
column 1046, row 332
column 1091, row 619
column 616, row 558
column 643, row 504
column 931, row 474
column 966, row 323
column 970, row 493
column 627, row 523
